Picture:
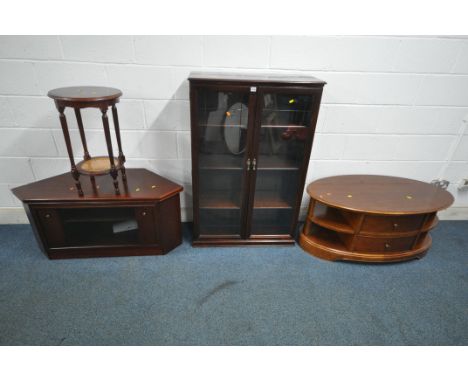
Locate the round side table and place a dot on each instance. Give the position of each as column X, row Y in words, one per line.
column 371, row 218
column 80, row 97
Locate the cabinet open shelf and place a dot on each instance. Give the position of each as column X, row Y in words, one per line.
column 272, row 229
column 220, row 162
column 282, row 126
column 80, row 215
column 270, row 109
column 98, row 233
column 277, row 162
column 330, row 218
column 223, row 126
column 263, row 200
column 270, row 199
column 326, row 238
column 217, row 230
column 215, row 200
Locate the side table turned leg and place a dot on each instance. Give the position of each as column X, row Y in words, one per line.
column 79, row 121
column 66, row 135
column 113, row 170
column 93, row 184
column 115, row 117
column 124, row 175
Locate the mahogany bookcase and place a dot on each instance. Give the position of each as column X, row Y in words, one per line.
column 251, row 141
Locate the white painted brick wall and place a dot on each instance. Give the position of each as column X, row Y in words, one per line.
column 18, row 77
column 98, row 48
column 169, row 50
column 392, row 105
column 236, row 51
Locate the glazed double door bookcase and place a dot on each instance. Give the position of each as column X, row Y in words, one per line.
column 251, row 143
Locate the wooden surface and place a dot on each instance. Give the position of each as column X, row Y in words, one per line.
column 67, row 225
column 255, row 78
column 85, row 94
column 324, row 251
column 139, row 183
column 370, row 218
column 379, row 194
column 97, row 166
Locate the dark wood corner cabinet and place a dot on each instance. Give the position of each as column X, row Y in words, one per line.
column 144, row 219
column 251, row 142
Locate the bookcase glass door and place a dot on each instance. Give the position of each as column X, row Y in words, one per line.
column 282, row 140
column 222, row 119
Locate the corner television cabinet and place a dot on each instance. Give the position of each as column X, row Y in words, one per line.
column 144, row 219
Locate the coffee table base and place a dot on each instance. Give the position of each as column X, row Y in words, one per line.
column 313, row 247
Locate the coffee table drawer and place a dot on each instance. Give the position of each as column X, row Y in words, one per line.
column 388, row 224
column 380, row 244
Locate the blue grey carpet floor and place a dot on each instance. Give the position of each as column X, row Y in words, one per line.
column 233, row 296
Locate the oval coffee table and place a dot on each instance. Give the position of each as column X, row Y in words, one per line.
column 371, row 218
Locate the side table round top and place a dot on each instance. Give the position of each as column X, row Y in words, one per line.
column 85, row 94
column 379, row 194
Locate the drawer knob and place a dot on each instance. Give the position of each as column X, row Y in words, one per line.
column 387, row 246
column 395, row 225
column 144, row 213
column 47, row 216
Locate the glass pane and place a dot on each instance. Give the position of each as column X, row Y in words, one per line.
column 222, row 123
column 286, row 110
column 220, row 222
column 99, row 226
column 284, row 135
column 271, row 221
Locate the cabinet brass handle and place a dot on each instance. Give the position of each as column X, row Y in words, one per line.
column 254, row 164
column 144, row 213
column 395, row 225
column 47, row 216
column 248, row 164
column 387, row 246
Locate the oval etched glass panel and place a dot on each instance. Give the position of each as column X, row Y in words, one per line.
column 235, row 131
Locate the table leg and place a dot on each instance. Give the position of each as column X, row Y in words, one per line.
column 113, row 170
column 82, row 133
column 66, row 135
column 115, row 117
